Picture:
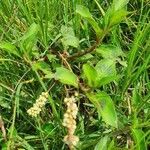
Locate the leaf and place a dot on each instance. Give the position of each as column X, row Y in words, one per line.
column 139, row 138
column 66, row 77
column 106, row 80
column 86, row 57
column 109, row 51
column 103, row 73
column 31, row 33
column 122, row 62
column 29, row 38
column 44, row 67
column 70, row 41
column 136, row 98
column 4, row 104
column 91, row 75
column 51, row 57
column 69, row 38
column 115, row 13
column 106, row 68
column 85, row 13
column 117, row 17
column 10, row 48
column 105, row 107
column 102, row 144
column 119, row 4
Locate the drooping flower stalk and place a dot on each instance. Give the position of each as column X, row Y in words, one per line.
column 37, row 106
column 69, row 122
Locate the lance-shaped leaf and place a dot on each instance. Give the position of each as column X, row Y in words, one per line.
column 119, row 4
column 29, row 38
column 109, row 51
column 10, row 48
column 102, row 144
column 115, row 13
column 139, row 138
column 106, row 70
column 66, row 77
column 68, row 37
column 105, row 107
column 85, row 13
column 91, row 75
column 44, row 67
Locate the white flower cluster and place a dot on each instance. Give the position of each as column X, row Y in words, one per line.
column 70, row 123
column 37, row 107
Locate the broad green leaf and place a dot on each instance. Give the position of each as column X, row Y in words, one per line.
column 117, row 17
column 4, row 103
column 136, row 98
column 10, row 48
column 109, row 51
column 65, row 31
column 115, row 13
column 70, row 41
column 85, row 13
column 103, row 73
column 51, row 57
column 91, row 75
column 106, row 80
column 29, row 38
column 119, row 4
column 66, row 77
column 111, row 145
column 102, row 144
column 105, row 107
column 139, row 138
column 86, row 57
column 122, row 62
column 31, row 33
column 106, row 68
column 69, row 38
column 44, row 67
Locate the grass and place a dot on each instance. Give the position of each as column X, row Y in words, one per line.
column 102, row 52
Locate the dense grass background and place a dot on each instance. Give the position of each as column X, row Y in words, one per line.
column 30, row 46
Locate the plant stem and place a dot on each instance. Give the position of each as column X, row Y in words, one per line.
column 44, row 87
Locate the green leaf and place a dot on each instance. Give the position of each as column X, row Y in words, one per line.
column 10, row 48
column 66, row 77
column 103, row 73
column 106, row 80
column 70, row 41
column 118, row 16
column 106, row 68
column 139, row 138
column 109, row 51
column 69, row 38
column 4, row 104
column 102, row 144
column 136, row 98
column 84, row 12
column 115, row 14
column 119, row 4
column 44, row 67
column 105, row 107
column 91, row 75
column 29, row 38
column 122, row 62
